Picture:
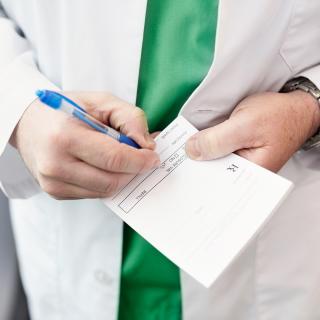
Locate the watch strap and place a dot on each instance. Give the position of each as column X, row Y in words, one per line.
column 304, row 84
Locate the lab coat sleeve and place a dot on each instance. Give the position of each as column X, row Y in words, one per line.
column 313, row 74
column 19, row 79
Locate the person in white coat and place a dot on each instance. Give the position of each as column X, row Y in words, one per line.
column 70, row 252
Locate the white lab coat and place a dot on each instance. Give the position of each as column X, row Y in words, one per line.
column 70, row 252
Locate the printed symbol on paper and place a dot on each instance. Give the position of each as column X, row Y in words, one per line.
column 233, row 168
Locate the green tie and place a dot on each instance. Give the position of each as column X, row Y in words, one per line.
column 177, row 52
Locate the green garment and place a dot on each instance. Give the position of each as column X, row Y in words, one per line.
column 177, row 52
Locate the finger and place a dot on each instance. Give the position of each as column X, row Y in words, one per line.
column 103, row 152
column 64, row 191
column 120, row 115
column 84, row 176
column 155, row 134
column 132, row 122
column 219, row 141
column 263, row 157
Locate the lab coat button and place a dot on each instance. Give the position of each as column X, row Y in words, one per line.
column 102, row 277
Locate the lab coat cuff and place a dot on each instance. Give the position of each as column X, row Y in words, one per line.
column 15, row 179
column 18, row 83
column 313, row 74
column 24, row 190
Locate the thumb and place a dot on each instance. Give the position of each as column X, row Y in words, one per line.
column 218, row 141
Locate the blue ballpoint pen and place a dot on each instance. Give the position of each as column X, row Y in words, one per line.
column 58, row 101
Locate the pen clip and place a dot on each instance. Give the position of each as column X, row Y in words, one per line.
column 70, row 101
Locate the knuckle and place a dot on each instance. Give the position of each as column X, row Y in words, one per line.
column 111, row 187
column 51, row 188
column 55, row 137
column 139, row 113
column 144, row 162
column 50, row 169
column 59, row 137
column 217, row 145
column 46, row 169
column 117, row 161
column 64, row 141
column 210, row 144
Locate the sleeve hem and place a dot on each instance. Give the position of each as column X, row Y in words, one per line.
column 18, row 84
column 313, row 74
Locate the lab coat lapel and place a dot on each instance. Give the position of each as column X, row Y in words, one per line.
column 237, row 71
column 239, row 23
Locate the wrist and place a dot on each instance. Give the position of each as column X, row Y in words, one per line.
column 14, row 138
column 310, row 110
column 30, row 119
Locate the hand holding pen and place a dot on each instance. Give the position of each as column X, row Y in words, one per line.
column 71, row 159
column 59, row 102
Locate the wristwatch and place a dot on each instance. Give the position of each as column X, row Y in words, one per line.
column 304, row 84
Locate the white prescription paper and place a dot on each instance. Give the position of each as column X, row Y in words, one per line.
column 200, row 215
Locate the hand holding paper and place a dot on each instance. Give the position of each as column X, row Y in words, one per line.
column 266, row 128
column 199, row 214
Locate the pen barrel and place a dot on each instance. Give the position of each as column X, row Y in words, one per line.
column 95, row 124
column 128, row 141
column 99, row 126
column 67, row 108
column 64, row 104
column 113, row 134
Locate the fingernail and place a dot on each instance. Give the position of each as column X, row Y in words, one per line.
column 193, row 149
column 156, row 164
column 149, row 139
